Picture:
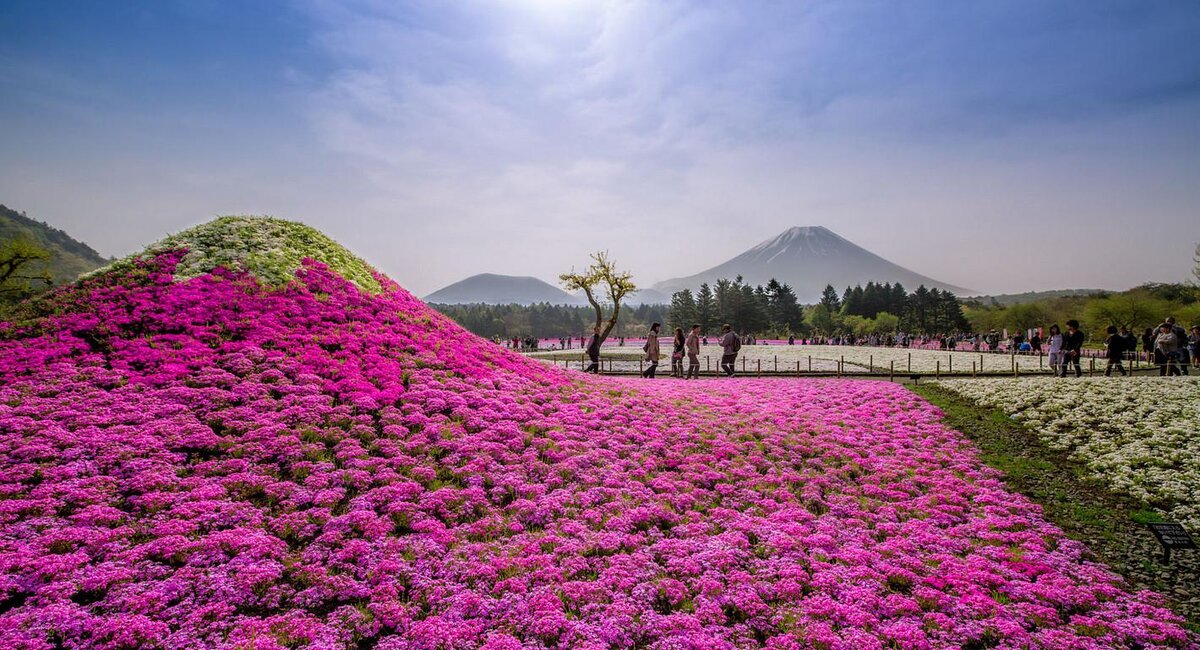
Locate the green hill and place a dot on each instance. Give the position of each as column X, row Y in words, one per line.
column 270, row 248
column 70, row 257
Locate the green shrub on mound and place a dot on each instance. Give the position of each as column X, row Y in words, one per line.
column 271, row 249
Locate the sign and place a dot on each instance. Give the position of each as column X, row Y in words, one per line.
column 1172, row 536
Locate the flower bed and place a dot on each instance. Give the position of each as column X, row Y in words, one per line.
column 214, row 463
column 1138, row 436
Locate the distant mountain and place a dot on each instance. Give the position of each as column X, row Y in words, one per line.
column 492, row 289
column 69, row 257
column 808, row 258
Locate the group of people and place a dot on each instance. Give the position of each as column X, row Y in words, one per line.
column 682, row 345
column 1172, row 347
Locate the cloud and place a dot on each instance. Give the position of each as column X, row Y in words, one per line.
column 677, row 133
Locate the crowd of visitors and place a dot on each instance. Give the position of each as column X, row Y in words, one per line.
column 1169, row 346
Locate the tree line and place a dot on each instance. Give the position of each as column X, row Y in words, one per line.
column 773, row 310
column 547, row 321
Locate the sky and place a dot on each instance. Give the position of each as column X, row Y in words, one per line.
column 1004, row 146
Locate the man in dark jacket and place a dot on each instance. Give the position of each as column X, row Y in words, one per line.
column 1072, row 347
column 593, row 351
column 1182, row 335
column 1114, row 351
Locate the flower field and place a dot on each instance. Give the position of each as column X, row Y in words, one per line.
column 221, row 463
column 1137, row 436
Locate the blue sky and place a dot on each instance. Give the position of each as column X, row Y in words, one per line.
column 1006, row 146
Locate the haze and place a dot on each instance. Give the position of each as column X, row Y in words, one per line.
column 1004, row 146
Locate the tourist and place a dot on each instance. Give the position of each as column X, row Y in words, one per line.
column 651, row 350
column 1148, row 345
column 1114, row 349
column 1181, row 335
column 1054, row 339
column 992, row 340
column 593, row 351
column 1131, row 342
column 1194, row 345
column 692, row 346
column 1035, row 342
column 1072, row 348
column 730, row 344
column 1166, row 347
column 677, row 354
column 791, row 339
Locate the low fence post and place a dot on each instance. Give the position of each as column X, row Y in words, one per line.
column 777, row 363
column 950, row 364
column 759, row 363
column 973, row 369
column 892, row 370
column 910, row 361
column 937, row 369
column 810, row 363
column 706, row 367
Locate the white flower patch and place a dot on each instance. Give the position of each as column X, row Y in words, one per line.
column 1139, row 436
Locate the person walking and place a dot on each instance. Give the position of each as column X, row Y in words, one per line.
column 1131, row 343
column 1148, row 345
column 1114, row 351
column 593, row 351
column 1194, row 345
column 651, row 350
column 677, row 354
column 730, row 344
column 1182, row 336
column 1166, row 347
column 692, row 346
column 1072, row 348
column 1054, row 341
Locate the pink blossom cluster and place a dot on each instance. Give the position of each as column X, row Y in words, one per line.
column 215, row 464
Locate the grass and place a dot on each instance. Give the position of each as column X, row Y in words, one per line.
column 1112, row 525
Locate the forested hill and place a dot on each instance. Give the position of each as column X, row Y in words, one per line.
column 69, row 256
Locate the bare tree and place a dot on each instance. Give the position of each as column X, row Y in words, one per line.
column 1196, row 265
column 604, row 286
column 22, row 263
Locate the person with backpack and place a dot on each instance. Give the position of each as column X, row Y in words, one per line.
column 731, row 344
column 1114, row 347
column 593, row 351
column 692, row 346
column 651, row 350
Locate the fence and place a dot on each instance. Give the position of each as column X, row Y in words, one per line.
column 817, row 366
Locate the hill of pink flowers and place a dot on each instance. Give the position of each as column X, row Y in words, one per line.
column 212, row 463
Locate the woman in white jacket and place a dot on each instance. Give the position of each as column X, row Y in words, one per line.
column 1055, row 340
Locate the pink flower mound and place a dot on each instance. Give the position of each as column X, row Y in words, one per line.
column 213, row 464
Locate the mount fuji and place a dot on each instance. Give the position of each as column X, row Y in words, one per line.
column 808, row 258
